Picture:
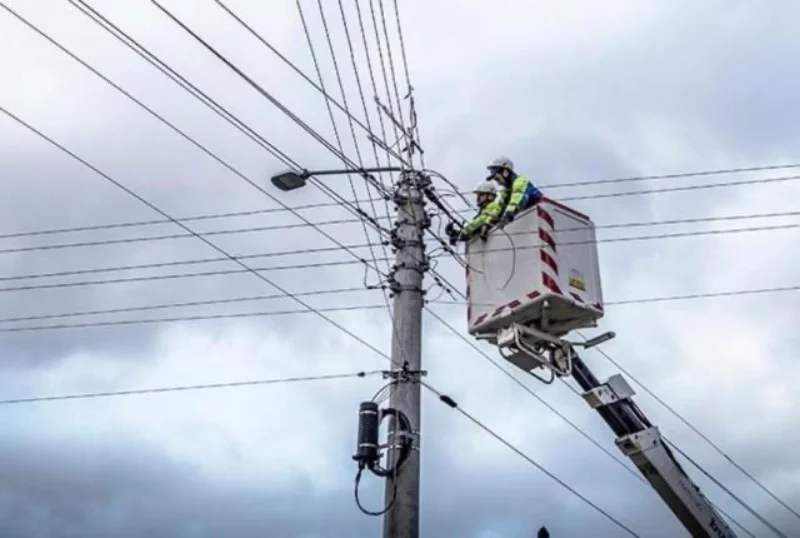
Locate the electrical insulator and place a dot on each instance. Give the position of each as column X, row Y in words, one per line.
column 369, row 418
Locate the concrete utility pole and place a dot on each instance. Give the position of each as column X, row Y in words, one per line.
column 402, row 519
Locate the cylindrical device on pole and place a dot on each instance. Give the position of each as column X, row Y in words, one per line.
column 369, row 420
column 402, row 490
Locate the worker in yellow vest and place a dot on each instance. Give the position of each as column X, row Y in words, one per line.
column 518, row 193
column 490, row 209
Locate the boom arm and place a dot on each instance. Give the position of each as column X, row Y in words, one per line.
column 642, row 443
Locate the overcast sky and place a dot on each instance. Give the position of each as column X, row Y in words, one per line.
column 570, row 90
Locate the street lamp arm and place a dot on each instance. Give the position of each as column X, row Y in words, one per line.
column 353, row 171
column 290, row 180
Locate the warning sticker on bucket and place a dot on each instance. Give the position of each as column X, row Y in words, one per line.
column 576, row 280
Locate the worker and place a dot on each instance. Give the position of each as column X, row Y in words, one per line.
column 518, row 195
column 490, row 209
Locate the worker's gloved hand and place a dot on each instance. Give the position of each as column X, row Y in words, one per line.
column 484, row 232
column 452, row 233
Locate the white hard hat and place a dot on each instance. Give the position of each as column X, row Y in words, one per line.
column 502, row 162
column 487, row 187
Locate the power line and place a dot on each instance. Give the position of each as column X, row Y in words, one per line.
column 260, row 90
column 682, row 189
column 728, row 491
column 652, row 237
column 163, row 237
column 395, row 336
column 325, row 94
column 254, row 298
column 180, row 276
column 199, row 317
column 200, row 237
column 318, row 250
column 154, row 208
column 336, row 129
column 280, row 106
column 662, row 190
column 166, row 122
column 703, row 436
column 411, row 105
column 263, row 92
column 724, row 171
column 219, row 110
column 373, row 142
column 530, row 391
column 447, row 400
column 184, row 304
column 280, row 227
column 373, row 83
column 391, row 69
column 300, row 301
column 717, row 172
column 577, row 428
column 382, row 69
column 186, row 388
column 234, row 214
column 752, row 291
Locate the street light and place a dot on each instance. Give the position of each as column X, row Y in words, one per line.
column 290, row 180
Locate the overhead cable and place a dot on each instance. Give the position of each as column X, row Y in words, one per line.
column 697, row 430
column 373, row 142
column 392, row 70
column 307, row 78
column 183, row 304
column 185, row 227
column 669, row 298
column 255, row 298
column 574, row 426
column 719, row 484
column 166, row 122
column 411, row 104
column 186, row 136
column 187, row 388
column 336, row 128
column 331, row 222
column 529, row 390
column 396, row 338
column 385, row 77
column 447, row 400
column 264, row 93
column 318, row 264
column 198, row 317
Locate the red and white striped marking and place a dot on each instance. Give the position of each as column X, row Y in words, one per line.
column 547, row 251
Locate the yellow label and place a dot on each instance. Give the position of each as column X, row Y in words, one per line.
column 577, row 283
column 576, row 280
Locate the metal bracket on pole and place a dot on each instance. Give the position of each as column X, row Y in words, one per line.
column 404, row 374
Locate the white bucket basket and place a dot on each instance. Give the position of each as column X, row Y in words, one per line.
column 540, row 271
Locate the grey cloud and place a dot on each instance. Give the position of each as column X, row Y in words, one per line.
column 716, row 89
